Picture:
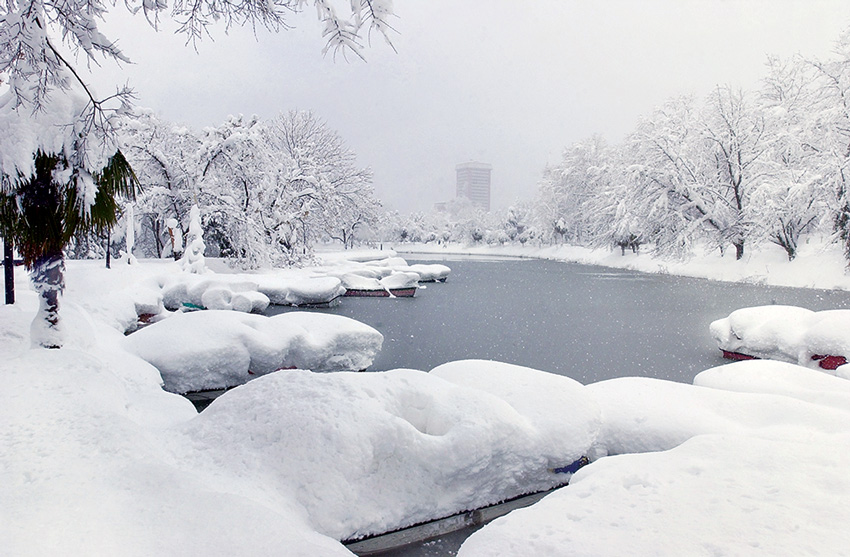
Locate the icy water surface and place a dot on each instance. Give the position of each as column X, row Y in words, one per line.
column 589, row 323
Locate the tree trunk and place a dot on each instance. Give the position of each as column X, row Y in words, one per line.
column 108, row 246
column 739, row 250
column 9, row 270
column 48, row 278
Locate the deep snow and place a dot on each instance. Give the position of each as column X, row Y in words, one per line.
column 96, row 458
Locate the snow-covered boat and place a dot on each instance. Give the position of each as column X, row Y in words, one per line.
column 381, row 293
column 376, row 545
column 398, row 284
column 785, row 333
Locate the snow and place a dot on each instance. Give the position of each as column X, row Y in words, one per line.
column 774, row 332
column 361, row 272
column 218, row 349
column 555, row 405
column 751, row 459
column 397, row 448
column 786, row 333
column 700, row 471
column 430, row 272
column 300, row 291
column 713, row 495
column 819, row 263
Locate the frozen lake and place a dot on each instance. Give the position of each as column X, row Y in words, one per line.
column 589, row 323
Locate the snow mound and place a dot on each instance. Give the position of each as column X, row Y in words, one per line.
column 828, row 335
column 74, row 457
column 400, row 279
column 641, row 414
column 189, row 289
column 558, row 407
column 384, row 274
column 395, row 280
column 700, row 471
column 761, row 376
column 713, row 495
column 217, row 349
column 400, row 447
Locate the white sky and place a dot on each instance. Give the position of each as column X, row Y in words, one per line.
column 500, row 81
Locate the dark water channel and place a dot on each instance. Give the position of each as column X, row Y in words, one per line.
column 586, row 322
column 589, row 323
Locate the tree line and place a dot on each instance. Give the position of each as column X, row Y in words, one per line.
column 728, row 171
column 267, row 190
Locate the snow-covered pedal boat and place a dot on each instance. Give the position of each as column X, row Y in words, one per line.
column 398, row 284
column 785, row 333
column 381, row 293
column 375, row 545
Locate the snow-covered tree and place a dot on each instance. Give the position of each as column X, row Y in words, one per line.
column 833, row 126
column 567, row 187
column 793, row 196
column 165, row 159
column 58, row 176
column 65, row 175
column 319, row 186
column 193, row 258
column 734, row 132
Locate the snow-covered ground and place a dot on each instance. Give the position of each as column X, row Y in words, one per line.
column 96, row 458
column 819, row 264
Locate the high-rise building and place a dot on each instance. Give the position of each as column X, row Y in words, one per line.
column 473, row 183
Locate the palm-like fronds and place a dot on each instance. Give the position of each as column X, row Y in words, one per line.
column 41, row 215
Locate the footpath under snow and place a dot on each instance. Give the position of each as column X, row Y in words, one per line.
column 97, row 459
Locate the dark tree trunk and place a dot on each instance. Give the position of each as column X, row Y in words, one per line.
column 108, row 250
column 739, row 250
column 9, row 270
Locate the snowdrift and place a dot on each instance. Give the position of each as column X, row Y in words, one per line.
column 750, row 466
column 400, row 447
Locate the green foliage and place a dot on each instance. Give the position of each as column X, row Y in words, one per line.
column 41, row 215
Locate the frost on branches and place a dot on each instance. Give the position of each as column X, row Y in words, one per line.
column 265, row 190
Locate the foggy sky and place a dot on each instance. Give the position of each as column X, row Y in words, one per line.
column 505, row 82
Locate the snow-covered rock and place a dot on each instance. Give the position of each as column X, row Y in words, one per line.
column 217, row 349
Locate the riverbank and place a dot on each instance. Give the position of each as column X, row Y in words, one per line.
column 819, row 263
column 752, row 459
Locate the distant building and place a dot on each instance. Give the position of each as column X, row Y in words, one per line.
column 441, row 207
column 473, row 183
